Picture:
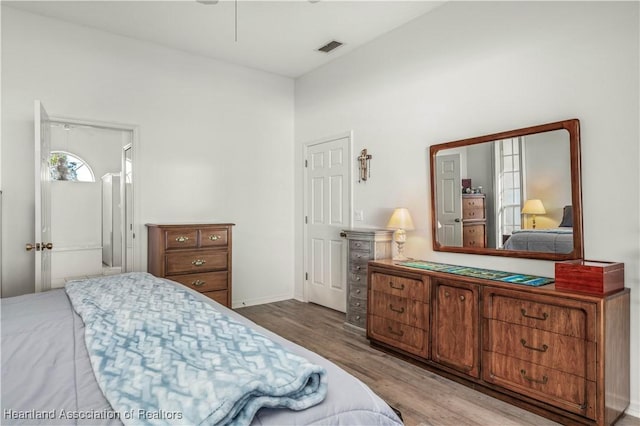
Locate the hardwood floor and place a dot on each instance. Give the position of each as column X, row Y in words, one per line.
column 424, row 398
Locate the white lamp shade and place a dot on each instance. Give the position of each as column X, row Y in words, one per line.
column 533, row 207
column 401, row 219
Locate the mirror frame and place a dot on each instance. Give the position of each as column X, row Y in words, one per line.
column 573, row 127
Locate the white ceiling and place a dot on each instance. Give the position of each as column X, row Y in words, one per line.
column 275, row 36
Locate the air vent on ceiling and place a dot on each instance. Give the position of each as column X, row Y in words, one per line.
column 207, row 1
column 330, row 46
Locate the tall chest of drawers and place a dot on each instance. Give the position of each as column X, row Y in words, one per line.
column 474, row 220
column 195, row 255
column 363, row 245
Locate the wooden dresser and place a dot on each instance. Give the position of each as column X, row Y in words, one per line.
column 561, row 354
column 196, row 255
column 363, row 245
column 474, row 220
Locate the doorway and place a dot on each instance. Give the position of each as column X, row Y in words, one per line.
column 91, row 199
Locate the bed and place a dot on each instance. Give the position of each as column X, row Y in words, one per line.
column 556, row 240
column 48, row 377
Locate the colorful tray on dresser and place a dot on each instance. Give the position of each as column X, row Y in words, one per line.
column 487, row 274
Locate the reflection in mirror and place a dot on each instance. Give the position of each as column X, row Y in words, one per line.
column 513, row 194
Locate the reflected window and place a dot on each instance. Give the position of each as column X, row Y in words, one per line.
column 509, row 178
column 69, row 167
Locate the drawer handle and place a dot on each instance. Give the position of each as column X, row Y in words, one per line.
column 357, row 304
column 215, row 237
column 358, row 244
column 400, row 311
column 198, row 283
column 358, row 291
column 544, row 380
column 446, row 294
column 358, row 278
column 397, row 333
column 462, row 298
column 358, row 268
column 357, row 317
column 400, row 287
column 533, row 348
column 181, row 239
column 542, row 318
column 198, row 262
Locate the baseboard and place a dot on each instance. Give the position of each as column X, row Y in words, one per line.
column 260, row 301
column 633, row 410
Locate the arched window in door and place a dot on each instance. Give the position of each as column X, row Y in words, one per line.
column 69, row 167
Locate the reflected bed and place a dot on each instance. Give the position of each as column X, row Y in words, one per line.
column 556, row 240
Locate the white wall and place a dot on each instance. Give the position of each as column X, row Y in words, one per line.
column 475, row 68
column 215, row 141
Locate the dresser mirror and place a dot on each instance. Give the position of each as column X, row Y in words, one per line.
column 515, row 193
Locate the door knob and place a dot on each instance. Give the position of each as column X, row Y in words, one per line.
column 456, row 220
column 38, row 246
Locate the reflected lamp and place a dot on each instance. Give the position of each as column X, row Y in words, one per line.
column 533, row 207
column 400, row 221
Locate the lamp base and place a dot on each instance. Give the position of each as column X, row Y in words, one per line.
column 400, row 255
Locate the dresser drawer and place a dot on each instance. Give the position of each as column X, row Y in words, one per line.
column 357, row 302
column 399, row 286
column 473, row 213
column 210, row 281
column 473, row 202
column 573, row 319
column 400, row 309
column 359, row 278
column 212, row 237
column 405, row 337
column 195, row 261
column 220, row 296
column 473, row 235
column 358, row 291
column 553, row 386
column 360, row 245
column 360, row 256
column 357, row 317
column 180, row 238
column 564, row 353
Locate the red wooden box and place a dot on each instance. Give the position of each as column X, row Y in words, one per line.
column 590, row 276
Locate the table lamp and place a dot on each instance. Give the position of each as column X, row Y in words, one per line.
column 401, row 221
column 533, row 207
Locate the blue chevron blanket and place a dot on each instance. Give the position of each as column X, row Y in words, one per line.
column 162, row 356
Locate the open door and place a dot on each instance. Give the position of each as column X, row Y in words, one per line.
column 327, row 198
column 449, row 204
column 42, row 246
column 126, row 203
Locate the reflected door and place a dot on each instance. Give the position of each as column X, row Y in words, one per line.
column 327, row 189
column 42, row 153
column 449, row 196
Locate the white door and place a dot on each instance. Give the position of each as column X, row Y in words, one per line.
column 327, row 198
column 126, row 204
column 449, row 200
column 42, row 198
